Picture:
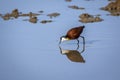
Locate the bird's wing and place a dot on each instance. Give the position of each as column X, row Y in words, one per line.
column 73, row 34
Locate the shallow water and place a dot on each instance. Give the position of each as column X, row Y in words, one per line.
column 31, row 52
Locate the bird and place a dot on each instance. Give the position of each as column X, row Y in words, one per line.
column 72, row 34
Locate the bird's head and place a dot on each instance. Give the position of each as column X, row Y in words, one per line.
column 63, row 38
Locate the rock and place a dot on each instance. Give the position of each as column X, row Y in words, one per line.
column 53, row 14
column 33, row 19
column 98, row 19
column 113, row 7
column 87, row 18
column 15, row 13
column 68, row 0
column 76, row 7
column 6, row 16
column 46, row 21
column 85, row 15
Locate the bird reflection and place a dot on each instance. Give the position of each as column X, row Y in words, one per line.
column 74, row 55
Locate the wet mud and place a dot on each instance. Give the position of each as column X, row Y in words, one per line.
column 87, row 18
column 55, row 14
column 76, row 7
column 113, row 7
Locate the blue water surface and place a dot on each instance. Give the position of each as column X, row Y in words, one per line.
column 31, row 51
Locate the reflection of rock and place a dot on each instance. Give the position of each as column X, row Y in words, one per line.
column 6, row 16
column 76, row 7
column 115, row 14
column 113, row 8
column 87, row 18
column 46, row 21
column 53, row 14
column 33, row 19
column 68, row 0
column 41, row 11
column 0, row 14
column 73, row 55
column 30, row 14
column 111, row 0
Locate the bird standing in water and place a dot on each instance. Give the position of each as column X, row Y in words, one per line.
column 72, row 34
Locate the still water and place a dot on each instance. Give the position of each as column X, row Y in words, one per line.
column 30, row 51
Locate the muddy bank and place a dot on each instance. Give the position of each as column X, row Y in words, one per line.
column 113, row 7
column 15, row 14
column 87, row 18
column 76, row 7
column 46, row 21
column 68, row 0
column 32, row 17
column 55, row 14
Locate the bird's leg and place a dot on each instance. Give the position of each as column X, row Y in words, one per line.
column 60, row 40
column 60, row 49
column 77, row 44
column 77, row 41
column 83, row 44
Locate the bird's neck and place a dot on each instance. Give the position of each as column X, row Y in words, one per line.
column 67, row 37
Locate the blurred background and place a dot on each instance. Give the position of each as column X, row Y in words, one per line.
column 30, row 50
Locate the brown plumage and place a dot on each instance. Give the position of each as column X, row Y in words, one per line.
column 74, row 33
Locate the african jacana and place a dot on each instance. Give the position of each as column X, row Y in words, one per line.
column 72, row 34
